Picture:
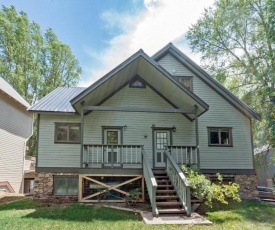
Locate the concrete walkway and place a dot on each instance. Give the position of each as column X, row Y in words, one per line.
column 194, row 219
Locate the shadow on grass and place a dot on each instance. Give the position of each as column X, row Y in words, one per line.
column 72, row 212
column 246, row 210
column 82, row 213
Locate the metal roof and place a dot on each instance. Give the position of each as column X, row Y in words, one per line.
column 7, row 88
column 57, row 101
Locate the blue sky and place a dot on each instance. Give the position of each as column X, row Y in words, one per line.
column 103, row 33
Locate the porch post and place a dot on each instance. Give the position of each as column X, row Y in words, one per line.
column 81, row 134
column 197, row 134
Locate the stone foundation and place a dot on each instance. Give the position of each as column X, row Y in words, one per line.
column 247, row 184
column 43, row 188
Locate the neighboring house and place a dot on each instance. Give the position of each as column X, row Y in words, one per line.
column 15, row 129
column 265, row 166
column 29, row 174
column 111, row 137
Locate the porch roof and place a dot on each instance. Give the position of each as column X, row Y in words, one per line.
column 156, row 77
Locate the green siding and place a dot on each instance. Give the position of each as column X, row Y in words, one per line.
column 220, row 114
column 56, row 155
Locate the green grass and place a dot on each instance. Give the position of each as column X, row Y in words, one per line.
column 28, row 214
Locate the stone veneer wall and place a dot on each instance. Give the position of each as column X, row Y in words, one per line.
column 43, row 188
column 247, row 184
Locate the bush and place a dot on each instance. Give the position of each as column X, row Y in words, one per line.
column 202, row 188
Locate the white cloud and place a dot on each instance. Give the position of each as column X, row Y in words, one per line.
column 161, row 22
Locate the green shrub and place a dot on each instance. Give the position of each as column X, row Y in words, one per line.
column 202, row 188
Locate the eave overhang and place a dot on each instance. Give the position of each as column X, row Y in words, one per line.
column 140, row 64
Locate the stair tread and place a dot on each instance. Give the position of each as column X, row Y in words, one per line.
column 169, row 203
column 157, row 177
column 168, row 197
column 166, row 185
column 166, row 191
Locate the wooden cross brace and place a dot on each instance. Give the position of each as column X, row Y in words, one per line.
column 109, row 187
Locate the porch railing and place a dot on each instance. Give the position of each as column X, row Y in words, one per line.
column 99, row 155
column 179, row 181
column 186, row 155
column 150, row 181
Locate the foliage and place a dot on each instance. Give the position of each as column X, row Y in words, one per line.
column 236, row 39
column 132, row 198
column 202, row 188
column 32, row 62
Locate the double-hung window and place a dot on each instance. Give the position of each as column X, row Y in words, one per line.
column 219, row 136
column 67, row 133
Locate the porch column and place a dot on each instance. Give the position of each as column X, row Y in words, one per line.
column 197, row 133
column 81, row 134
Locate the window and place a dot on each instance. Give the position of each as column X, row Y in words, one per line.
column 186, row 81
column 65, row 185
column 220, row 136
column 67, row 133
column 137, row 84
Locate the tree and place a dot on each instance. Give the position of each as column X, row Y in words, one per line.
column 32, row 62
column 237, row 41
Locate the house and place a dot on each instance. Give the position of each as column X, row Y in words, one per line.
column 265, row 166
column 15, row 129
column 29, row 174
column 135, row 126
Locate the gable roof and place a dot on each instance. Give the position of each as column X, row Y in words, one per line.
column 10, row 91
column 140, row 64
column 204, row 76
column 57, row 101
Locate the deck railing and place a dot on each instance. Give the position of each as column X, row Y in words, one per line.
column 185, row 155
column 179, row 181
column 99, row 155
column 151, row 182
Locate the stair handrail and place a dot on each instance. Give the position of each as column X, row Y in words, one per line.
column 179, row 181
column 150, row 181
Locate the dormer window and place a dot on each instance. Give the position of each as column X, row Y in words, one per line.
column 186, row 81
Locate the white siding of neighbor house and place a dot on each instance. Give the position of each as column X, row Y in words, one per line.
column 56, row 155
column 15, row 128
column 11, row 159
column 220, row 114
column 14, row 117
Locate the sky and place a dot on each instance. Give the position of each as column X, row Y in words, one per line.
column 104, row 33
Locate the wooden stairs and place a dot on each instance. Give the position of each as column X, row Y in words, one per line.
column 167, row 200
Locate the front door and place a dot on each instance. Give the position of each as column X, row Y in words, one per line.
column 161, row 139
column 112, row 138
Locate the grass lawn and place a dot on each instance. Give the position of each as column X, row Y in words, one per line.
column 28, row 214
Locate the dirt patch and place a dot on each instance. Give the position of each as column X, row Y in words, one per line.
column 10, row 198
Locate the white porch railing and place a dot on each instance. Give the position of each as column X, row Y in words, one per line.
column 179, row 182
column 151, row 183
column 185, row 155
column 112, row 155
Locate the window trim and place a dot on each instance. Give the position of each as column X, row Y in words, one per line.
column 68, row 141
column 137, row 78
column 186, row 77
column 65, row 176
column 219, row 132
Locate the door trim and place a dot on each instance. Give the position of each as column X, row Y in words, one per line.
column 113, row 127
column 153, row 140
